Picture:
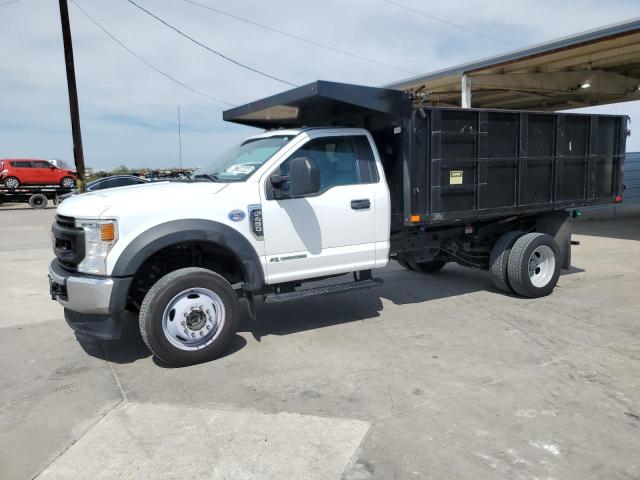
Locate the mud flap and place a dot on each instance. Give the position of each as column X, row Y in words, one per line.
column 251, row 306
column 558, row 225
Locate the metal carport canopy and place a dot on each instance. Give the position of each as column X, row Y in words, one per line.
column 597, row 67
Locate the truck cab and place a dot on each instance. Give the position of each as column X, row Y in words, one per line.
column 285, row 206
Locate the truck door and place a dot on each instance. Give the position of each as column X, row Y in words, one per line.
column 329, row 232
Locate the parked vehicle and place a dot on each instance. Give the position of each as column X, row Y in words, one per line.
column 371, row 176
column 36, row 196
column 113, row 181
column 17, row 172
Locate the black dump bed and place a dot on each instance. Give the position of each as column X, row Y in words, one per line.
column 450, row 165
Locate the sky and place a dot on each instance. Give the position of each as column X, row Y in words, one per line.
column 129, row 111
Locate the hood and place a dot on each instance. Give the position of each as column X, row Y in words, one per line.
column 154, row 196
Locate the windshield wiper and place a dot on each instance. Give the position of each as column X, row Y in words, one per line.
column 212, row 178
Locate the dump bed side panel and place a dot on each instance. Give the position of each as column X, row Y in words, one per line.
column 470, row 164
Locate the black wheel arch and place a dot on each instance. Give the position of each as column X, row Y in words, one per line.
column 178, row 231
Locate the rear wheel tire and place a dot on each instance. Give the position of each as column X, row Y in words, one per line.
column 534, row 265
column 67, row 182
column 433, row 266
column 11, row 182
column 499, row 260
column 189, row 316
column 38, row 201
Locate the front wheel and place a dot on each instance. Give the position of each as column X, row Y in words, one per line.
column 67, row 182
column 534, row 265
column 189, row 316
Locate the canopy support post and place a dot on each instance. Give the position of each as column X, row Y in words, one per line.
column 465, row 88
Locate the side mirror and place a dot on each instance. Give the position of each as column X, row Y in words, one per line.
column 304, row 177
column 52, row 167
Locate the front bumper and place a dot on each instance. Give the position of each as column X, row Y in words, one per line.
column 92, row 305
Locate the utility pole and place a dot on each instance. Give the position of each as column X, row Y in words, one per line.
column 78, row 154
column 179, row 137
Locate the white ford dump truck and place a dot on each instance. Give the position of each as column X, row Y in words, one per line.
column 343, row 179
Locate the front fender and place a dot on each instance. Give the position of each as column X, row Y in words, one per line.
column 177, row 231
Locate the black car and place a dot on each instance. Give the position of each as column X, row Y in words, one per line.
column 109, row 182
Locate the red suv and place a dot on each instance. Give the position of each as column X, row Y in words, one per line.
column 16, row 172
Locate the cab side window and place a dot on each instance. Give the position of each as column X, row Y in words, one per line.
column 341, row 160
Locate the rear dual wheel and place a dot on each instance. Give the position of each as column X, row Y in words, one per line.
column 526, row 264
column 499, row 260
column 534, row 265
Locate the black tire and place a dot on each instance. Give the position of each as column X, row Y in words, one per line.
column 11, row 182
column 67, row 182
column 521, row 253
column 158, row 298
column 38, row 201
column 499, row 260
column 433, row 266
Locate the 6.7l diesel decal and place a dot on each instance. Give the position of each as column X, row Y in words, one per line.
column 289, row 257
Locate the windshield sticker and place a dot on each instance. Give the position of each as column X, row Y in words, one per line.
column 240, row 169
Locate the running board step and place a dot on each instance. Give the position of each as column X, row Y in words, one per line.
column 319, row 291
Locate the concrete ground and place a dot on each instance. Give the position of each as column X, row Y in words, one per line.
column 428, row 377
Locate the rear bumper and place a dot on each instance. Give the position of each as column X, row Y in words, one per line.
column 92, row 305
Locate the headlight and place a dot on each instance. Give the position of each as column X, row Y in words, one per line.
column 99, row 237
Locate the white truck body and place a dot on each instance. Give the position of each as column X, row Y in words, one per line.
column 317, row 236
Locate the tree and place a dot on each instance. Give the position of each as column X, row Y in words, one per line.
column 121, row 170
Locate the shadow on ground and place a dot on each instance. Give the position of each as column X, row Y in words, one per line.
column 401, row 287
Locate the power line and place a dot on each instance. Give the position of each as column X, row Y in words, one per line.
column 229, row 59
column 147, row 63
column 446, row 22
column 297, row 37
column 8, row 3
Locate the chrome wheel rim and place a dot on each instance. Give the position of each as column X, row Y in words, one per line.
column 11, row 183
column 542, row 264
column 67, row 183
column 193, row 319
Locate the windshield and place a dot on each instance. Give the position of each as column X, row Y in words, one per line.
column 240, row 162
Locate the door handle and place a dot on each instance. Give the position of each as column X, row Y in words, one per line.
column 361, row 204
